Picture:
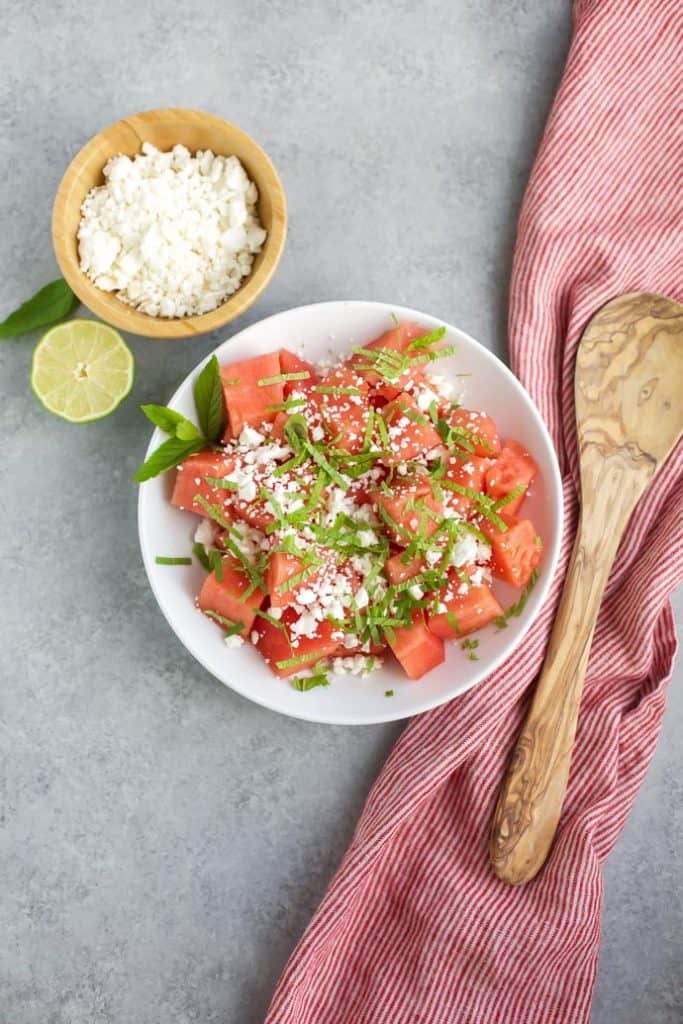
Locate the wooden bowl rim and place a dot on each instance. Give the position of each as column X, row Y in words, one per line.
column 110, row 308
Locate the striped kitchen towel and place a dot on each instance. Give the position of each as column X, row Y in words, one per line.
column 415, row 928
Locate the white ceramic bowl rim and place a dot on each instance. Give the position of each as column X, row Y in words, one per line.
column 176, row 600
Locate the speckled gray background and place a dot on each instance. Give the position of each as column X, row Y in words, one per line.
column 163, row 842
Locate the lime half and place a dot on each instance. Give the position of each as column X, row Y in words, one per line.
column 82, row 370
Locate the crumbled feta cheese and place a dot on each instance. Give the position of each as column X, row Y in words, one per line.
column 359, row 665
column 234, row 641
column 416, row 592
column 251, row 438
column 204, row 534
column 464, row 550
column 174, row 235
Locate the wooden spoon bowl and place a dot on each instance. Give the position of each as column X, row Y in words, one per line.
column 629, row 413
column 164, row 129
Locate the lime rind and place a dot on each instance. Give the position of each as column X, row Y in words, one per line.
column 105, row 361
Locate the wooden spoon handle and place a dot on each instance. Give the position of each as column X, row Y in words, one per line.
column 530, row 801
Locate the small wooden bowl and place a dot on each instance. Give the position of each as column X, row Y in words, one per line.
column 164, row 128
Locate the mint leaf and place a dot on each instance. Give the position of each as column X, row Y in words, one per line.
column 52, row 303
column 305, row 683
column 169, row 454
column 171, row 422
column 199, row 552
column 208, row 397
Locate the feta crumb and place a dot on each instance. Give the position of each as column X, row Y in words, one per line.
column 204, row 534
column 251, row 438
column 234, row 641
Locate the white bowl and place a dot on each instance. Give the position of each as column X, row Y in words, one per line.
column 319, row 330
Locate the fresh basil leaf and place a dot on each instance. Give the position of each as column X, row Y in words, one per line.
column 52, row 303
column 208, row 397
column 169, row 454
column 171, row 422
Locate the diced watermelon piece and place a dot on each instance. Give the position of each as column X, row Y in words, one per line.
column 246, row 401
column 469, row 472
column 278, row 431
column 282, row 567
column 514, row 467
column 411, row 433
column 480, row 431
column 190, row 481
column 226, row 596
column 292, row 363
column 415, row 648
column 397, row 570
column 471, row 610
column 275, row 643
column 411, row 508
column 362, row 489
column 345, row 416
column 255, row 513
column 515, row 552
column 395, row 340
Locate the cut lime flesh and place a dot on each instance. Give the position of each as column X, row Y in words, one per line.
column 82, row 370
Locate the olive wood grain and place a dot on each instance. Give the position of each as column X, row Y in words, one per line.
column 164, row 128
column 629, row 411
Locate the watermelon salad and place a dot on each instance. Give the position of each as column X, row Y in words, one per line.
column 356, row 511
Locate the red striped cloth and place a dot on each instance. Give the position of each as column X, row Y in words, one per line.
column 414, row 926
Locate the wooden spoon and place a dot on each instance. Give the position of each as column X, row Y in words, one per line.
column 629, row 411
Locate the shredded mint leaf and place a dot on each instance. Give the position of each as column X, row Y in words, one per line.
column 300, row 659
column 304, row 683
column 52, row 303
column 282, row 378
column 199, row 552
column 208, row 398
column 163, row 560
column 169, row 454
column 216, row 563
column 171, row 422
column 518, row 607
column 230, row 626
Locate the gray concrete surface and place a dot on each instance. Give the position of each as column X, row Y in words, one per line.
column 163, row 842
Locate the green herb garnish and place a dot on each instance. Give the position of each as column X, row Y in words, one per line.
column 517, row 608
column 516, row 492
column 208, row 399
column 52, row 303
column 163, row 560
column 199, row 552
column 230, row 626
column 169, row 454
column 299, row 659
column 171, row 422
column 282, row 378
column 330, row 390
column 305, row 683
column 221, row 483
column 291, row 403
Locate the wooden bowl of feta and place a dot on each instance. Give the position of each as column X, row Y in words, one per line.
column 169, row 223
